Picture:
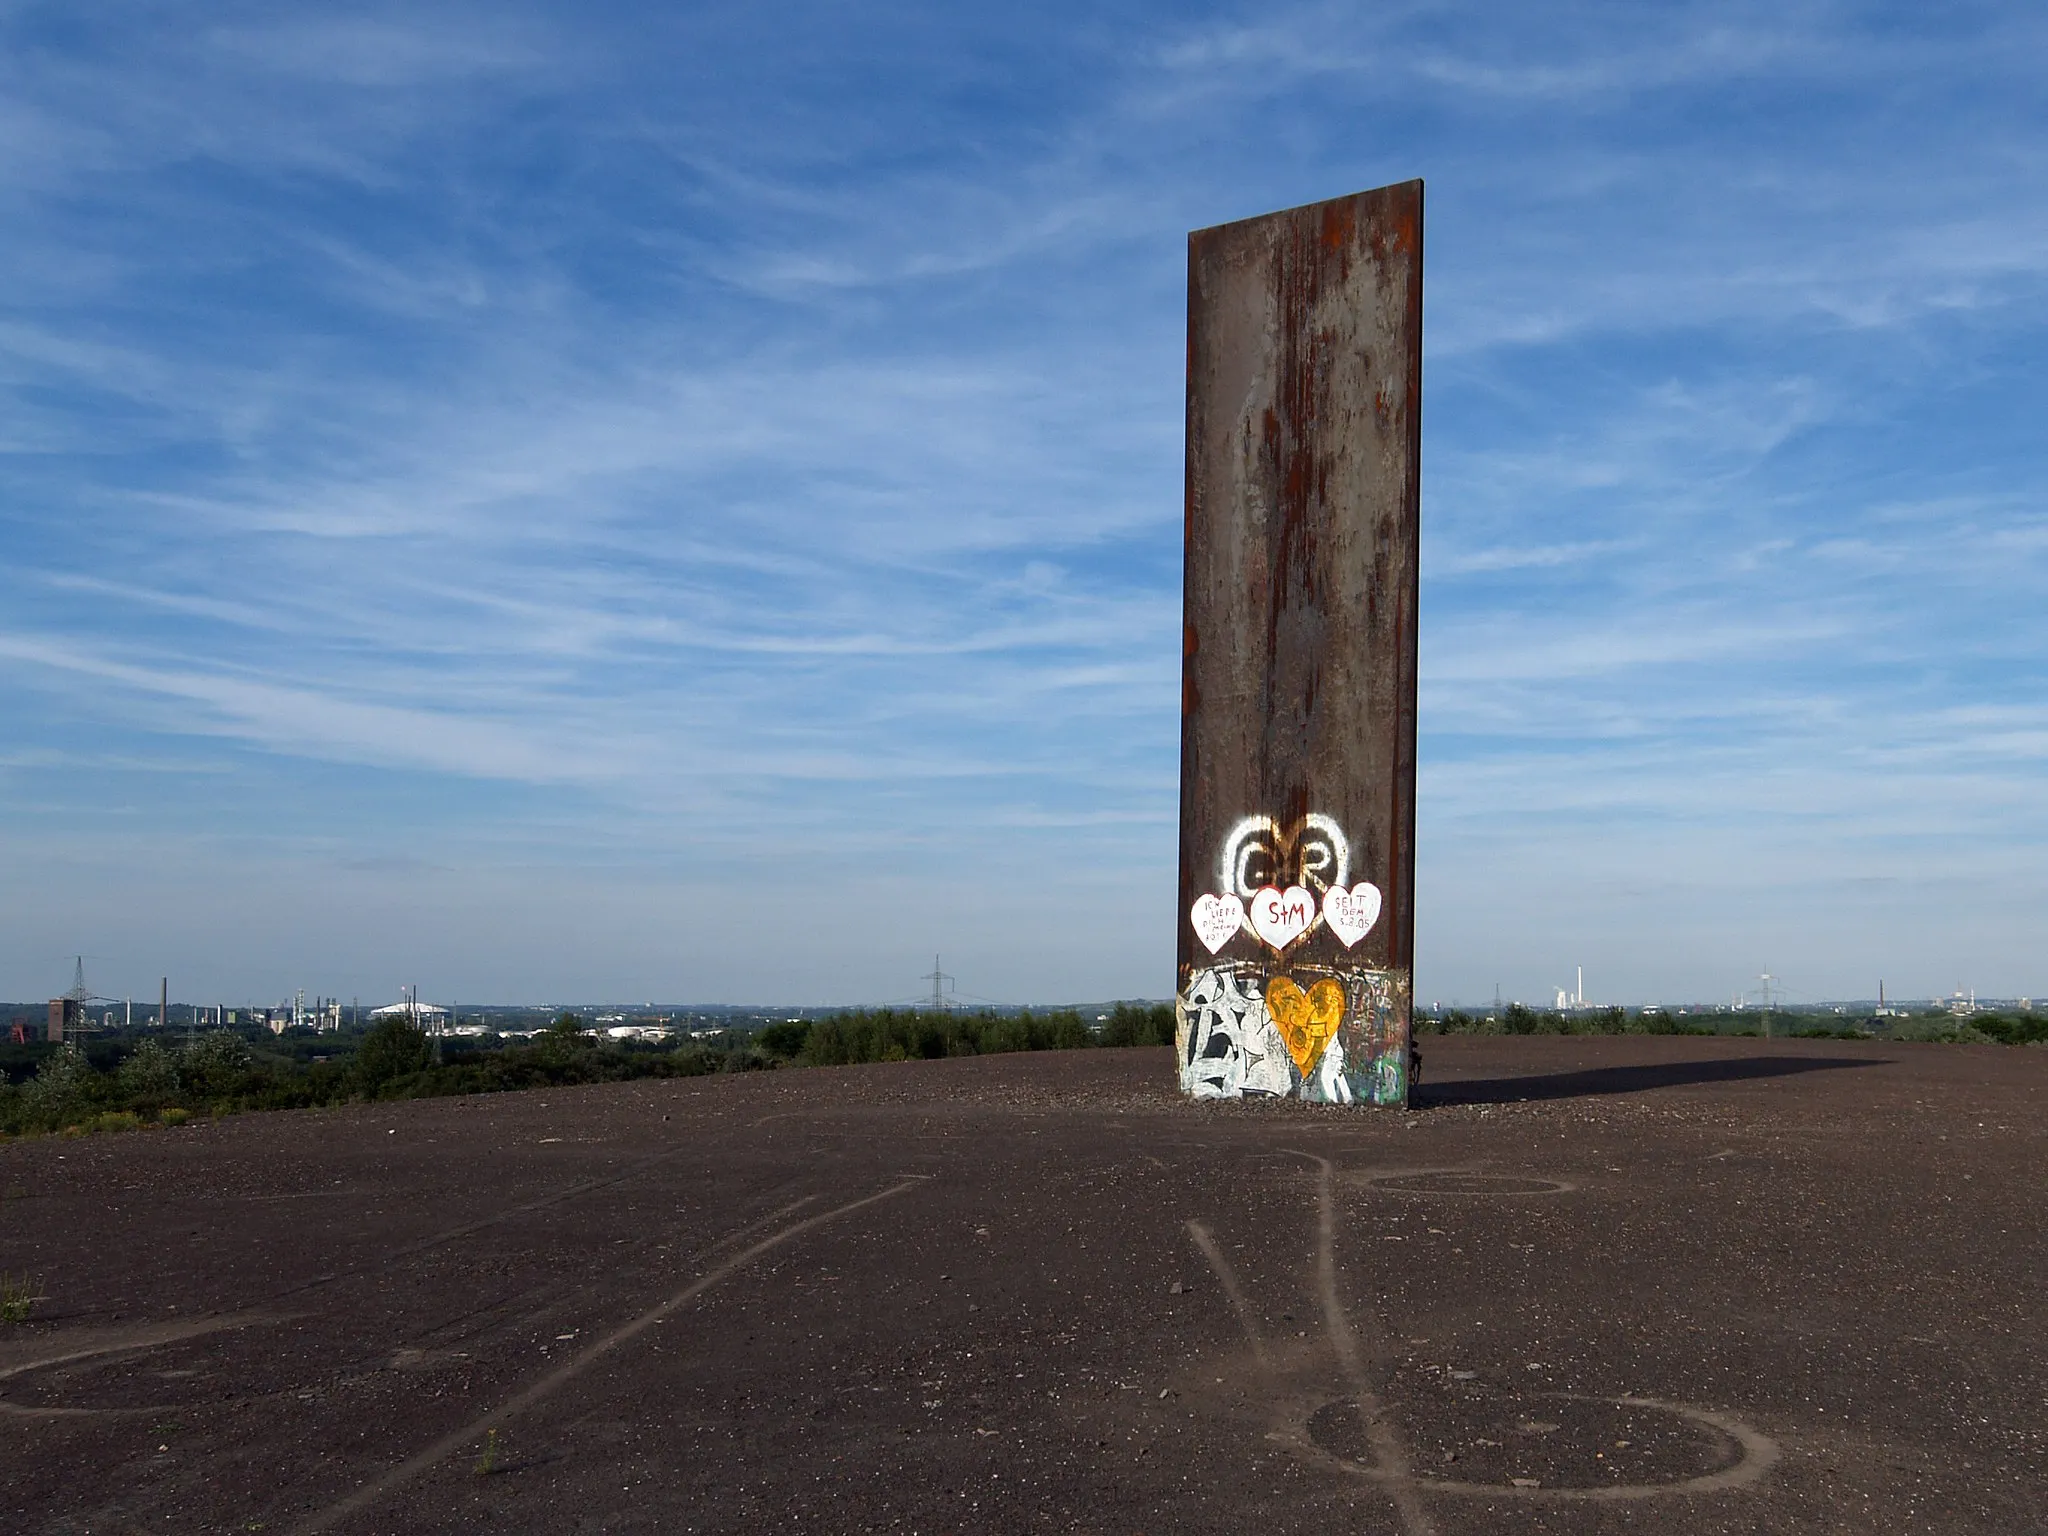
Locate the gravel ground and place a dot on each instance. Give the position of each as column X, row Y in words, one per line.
column 1587, row 1285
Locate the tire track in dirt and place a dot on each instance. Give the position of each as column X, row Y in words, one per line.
column 527, row 1397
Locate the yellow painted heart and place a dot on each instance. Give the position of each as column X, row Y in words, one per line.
column 1308, row 1019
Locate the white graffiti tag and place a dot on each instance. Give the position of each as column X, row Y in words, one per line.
column 1229, row 1045
column 1258, row 852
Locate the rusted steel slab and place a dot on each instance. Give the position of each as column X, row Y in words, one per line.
column 1297, row 834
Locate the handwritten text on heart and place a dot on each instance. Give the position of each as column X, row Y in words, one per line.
column 1216, row 919
column 1352, row 913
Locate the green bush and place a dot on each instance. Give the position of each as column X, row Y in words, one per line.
column 1139, row 1024
column 62, row 1084
column 2014, row 1028
column 220, row 1074
column 890, row 1034
column 18, row 1296
column 1943, row 1029
column 784, row 1040
column 394, row 1048
column 214, row 1063
column 1517, row 1019
column 149, row 1076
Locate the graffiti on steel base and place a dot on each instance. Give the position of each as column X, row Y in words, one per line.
column 1330, row 1036
column 1256, row 1024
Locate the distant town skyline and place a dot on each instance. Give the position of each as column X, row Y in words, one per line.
column 297, row 1006
column 537, row 502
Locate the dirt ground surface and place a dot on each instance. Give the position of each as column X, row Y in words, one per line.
column 1587, row 1285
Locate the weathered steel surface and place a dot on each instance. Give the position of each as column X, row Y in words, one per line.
column 1298, row 706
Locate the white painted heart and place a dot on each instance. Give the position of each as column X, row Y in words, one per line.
column 1216, row 918
column 1352, row 913
column 1281, row 917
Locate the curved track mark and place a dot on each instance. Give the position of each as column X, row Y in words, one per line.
column 154, row 1336
column 1479, row 1183
column 126, row 1341
column 526, row 1398
column 147, row 1336
column 1759, row 1455
column 1238, row 1301
column 1390, row 1455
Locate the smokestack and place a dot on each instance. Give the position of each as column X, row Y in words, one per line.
column 163, row 1004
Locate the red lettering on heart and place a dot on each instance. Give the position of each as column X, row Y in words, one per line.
column 1281, row 917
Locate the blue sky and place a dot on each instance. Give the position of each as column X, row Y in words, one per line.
column 550, row 502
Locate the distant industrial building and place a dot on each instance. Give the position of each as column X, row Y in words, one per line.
column 1573, row 1001
column 427, row 1015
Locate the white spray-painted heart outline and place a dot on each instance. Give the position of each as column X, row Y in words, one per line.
column 1352, row 913
column 1281, row 917
column 1216, row 920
